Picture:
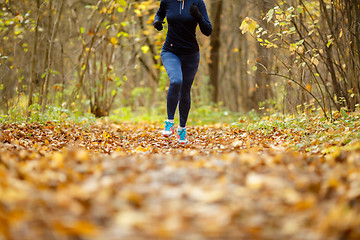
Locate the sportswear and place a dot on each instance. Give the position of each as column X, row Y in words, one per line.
column 181, row 35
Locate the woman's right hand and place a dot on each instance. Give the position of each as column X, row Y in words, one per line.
column 158, row 25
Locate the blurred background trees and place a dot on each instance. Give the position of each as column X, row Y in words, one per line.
column 100, row 56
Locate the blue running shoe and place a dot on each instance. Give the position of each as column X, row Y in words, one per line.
column 182, row 136
column 168, row 129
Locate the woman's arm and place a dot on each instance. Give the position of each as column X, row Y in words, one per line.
column 161, row 13
column 204, row 23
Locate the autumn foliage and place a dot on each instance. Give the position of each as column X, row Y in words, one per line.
column 268, row 176
column 126, row 181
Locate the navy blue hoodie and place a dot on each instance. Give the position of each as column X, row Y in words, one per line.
column 181, row 36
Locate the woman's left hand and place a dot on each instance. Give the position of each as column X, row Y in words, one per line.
column 195, row 13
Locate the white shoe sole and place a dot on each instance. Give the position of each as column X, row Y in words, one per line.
column 183, row 142
column 166, row 133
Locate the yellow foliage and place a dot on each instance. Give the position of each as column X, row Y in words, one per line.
column 114, row 41
column 248, row 25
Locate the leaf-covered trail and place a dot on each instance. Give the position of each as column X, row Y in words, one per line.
column 135, row 138
column 127, row 182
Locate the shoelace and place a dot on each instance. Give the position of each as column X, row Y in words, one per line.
column 182, row 134
column 168, row 126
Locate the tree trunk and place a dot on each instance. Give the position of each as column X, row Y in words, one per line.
column 33, row 57
column 53, row 35
column 46, row 55
column 356, row 79
column 262, row 90
column 216, row 9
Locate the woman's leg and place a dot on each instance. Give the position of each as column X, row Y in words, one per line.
column 172, row 66
column 190, row 64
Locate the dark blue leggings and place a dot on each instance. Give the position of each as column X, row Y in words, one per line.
column 181, row 70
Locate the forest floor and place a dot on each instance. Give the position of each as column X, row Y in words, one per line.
column 126, row 181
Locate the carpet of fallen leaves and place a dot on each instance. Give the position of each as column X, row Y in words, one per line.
column 126, row 181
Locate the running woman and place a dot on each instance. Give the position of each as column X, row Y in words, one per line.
column 180, row 56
